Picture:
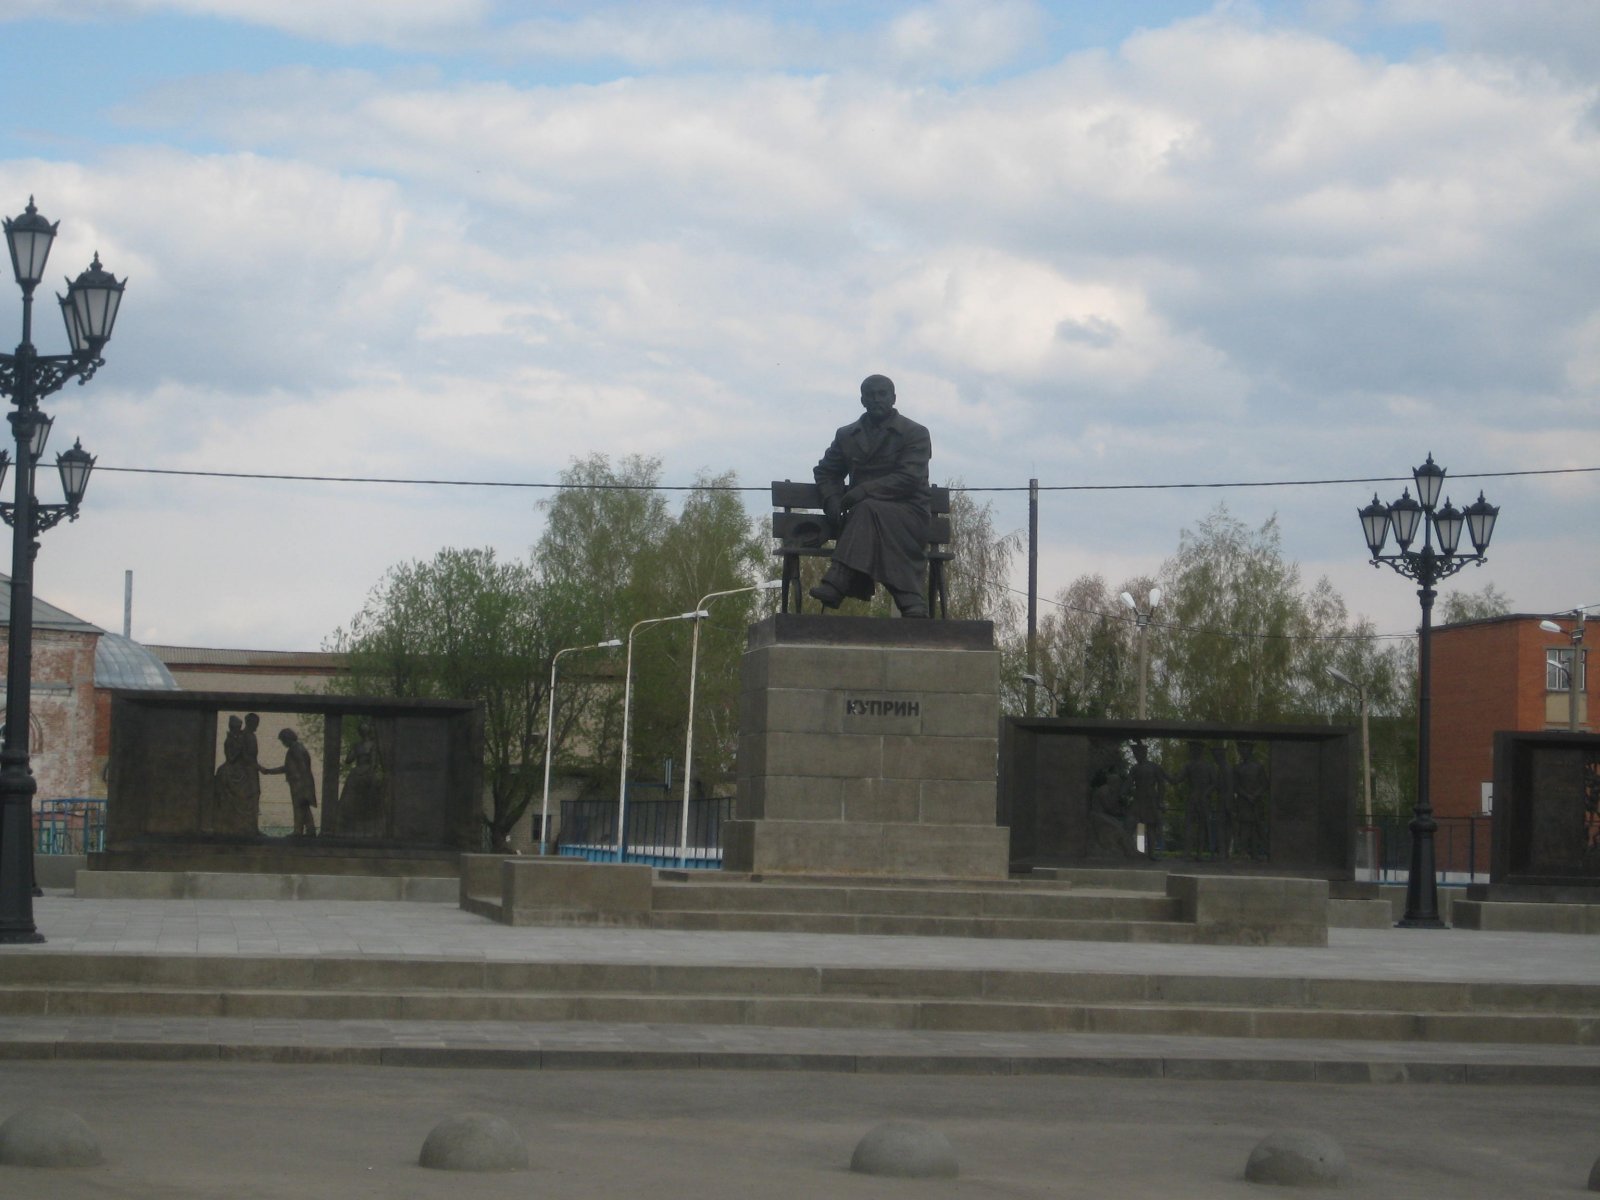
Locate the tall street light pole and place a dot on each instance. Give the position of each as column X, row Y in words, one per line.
column 627, row 713
column 1576, row 674
column 89, row 310
column 550, row 733
column 1407, row 517
column 1142, row 616
column 701, row 613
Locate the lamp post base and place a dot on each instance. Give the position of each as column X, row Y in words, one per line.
column 1420, row 923
column 20, row 937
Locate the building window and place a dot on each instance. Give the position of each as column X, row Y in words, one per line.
column 1557, row 663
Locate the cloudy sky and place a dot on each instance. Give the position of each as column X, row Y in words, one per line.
column 1133, row 242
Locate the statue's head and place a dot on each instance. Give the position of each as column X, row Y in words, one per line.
column 877, row 396
column 235, row 724
column 251, row 721
column 1140, row 751
column 288, row 737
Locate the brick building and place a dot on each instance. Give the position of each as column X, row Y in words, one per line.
column 1500, row 673
column 75, row 666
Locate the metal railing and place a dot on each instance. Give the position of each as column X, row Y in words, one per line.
column 75, row 826
column 1460, row 847
column 588, row 830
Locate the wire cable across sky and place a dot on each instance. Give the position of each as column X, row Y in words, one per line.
column 719, row 487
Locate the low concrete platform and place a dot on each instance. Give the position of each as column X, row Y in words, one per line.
column 228, row 885
column 1526, row 917
column 1198, row 909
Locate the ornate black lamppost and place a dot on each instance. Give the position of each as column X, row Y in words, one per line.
column 90, row 310
column 1408, row 517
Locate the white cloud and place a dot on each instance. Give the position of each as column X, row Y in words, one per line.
column 1218, row 251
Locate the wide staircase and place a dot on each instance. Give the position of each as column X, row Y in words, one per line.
column 1207, row 991
column 1135, row 910
column 360, row 988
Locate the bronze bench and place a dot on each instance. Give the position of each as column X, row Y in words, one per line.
column 801, row 530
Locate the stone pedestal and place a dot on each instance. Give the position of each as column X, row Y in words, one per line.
column 867, row 747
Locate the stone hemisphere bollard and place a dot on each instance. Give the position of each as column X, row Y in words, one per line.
column 1297, row 1158
column 474, row 1142
column 907, row 1150
column 48, row 1137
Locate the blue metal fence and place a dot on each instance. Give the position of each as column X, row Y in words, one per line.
column 1460, row 849
column 589, row 831
column 74, row 826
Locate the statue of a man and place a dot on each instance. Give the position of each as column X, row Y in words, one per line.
column 874, row 483
column 302, row 781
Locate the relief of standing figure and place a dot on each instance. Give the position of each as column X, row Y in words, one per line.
column 236, row 786
column 1148, row 782
column 302, row 782
column 1250, row 804
column 1221, row 835
column 361, row 803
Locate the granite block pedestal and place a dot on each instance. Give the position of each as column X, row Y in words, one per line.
column 867, row 747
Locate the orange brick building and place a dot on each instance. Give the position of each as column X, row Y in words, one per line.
column 1497, row 673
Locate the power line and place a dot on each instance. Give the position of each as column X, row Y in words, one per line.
column 1073, row 487
column 721, row 487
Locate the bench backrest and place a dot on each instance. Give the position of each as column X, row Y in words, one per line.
column 799, row 504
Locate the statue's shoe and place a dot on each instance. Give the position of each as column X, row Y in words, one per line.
column 830, row 596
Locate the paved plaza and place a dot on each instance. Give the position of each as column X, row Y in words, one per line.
column 270, row 1108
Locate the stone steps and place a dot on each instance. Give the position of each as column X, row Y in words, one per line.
column 891, row 925
column 1194, row 910
column 945, row 999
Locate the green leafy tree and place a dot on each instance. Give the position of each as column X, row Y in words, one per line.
column 467, row 626
column 710, row 546
column 978, row 576
column 612, row 553
column 1087, row 652
column 1457, row 606
column 1231, row 611
column 1243, row 641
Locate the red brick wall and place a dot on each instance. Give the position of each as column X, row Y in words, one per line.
column 1487, row 676
column 63, row 705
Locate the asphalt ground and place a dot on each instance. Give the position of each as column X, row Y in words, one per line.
column 181, row 1131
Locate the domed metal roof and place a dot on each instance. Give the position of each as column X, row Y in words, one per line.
column 122, row 663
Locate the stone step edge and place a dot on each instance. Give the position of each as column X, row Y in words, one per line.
column 920, row 1014
column 1066, row 929
column 712, row 900
column 1381, row 1070
column 220, row 974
